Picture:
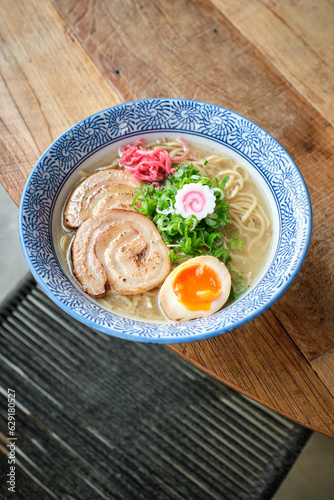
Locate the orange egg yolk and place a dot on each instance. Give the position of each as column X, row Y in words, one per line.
column 196, row 286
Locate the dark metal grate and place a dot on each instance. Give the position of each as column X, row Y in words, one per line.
column 98, row 417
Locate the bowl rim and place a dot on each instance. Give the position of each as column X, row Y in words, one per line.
column 157, row 338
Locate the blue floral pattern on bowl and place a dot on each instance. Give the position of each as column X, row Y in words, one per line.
column 168, row 115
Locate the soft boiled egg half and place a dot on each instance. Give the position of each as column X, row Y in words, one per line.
column 199, row 287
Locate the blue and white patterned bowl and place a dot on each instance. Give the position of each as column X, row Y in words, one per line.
column 91, row 140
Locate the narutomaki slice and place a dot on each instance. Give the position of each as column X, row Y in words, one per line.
column 104, row 190
column 122, row 248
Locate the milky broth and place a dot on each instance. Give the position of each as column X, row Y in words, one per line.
column 248, row 261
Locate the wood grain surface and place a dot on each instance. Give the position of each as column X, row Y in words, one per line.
column 99, row 53
column 48, row 83
column 297, row 38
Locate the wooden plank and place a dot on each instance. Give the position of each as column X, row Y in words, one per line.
column 194, row 52
column 324, row 367
column 297, row 37
column 47, row 82
column 158, row 51
column 261, row 361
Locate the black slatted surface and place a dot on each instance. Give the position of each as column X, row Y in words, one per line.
column 103, row 418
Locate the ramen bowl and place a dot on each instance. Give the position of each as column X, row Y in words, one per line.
column 90, row 142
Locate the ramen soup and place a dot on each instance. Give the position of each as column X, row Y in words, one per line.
column 166, row 231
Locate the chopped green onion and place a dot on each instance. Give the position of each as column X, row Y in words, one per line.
column 239, row 285
column 190, row 237
column 236, row 242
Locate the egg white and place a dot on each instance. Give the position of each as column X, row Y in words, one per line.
column 175, row 310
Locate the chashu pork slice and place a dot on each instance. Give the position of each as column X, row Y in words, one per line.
column 106, row 189
column 121, row 248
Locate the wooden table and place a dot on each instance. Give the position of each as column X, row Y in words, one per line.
column 272, row 62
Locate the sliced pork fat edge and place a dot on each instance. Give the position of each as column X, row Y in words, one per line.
column 104, row 190
column 122, row 249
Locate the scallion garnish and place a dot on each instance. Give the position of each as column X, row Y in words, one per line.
column 189, row 237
